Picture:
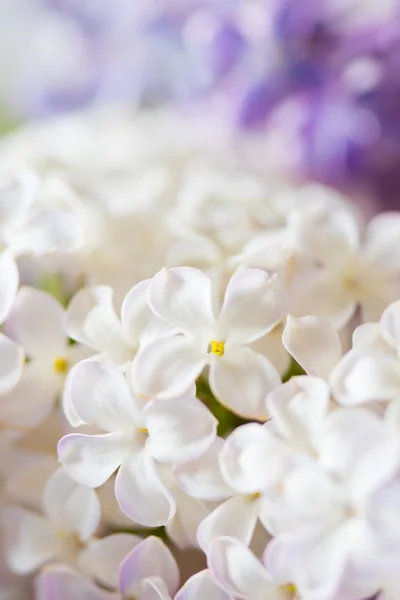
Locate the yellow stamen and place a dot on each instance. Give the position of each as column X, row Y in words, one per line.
column 289, row 588
column 61, row 365
column 143, row 430
column 217, row 348
column 255, row 496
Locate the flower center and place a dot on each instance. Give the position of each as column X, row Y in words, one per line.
column 289, row 588
column 215, row 347
column 61, row 365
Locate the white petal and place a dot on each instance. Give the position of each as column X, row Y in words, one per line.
column 9, row 281
column 150, row 558
column 362, row 377
column 180, row 430
column 91, row 319
column 182, row 528
column 37, row 322
column 29, row 541
column 12, row 360
column 141, row 493
column 241, row 380
column 202, row 478
column 167, row 368
column 17, row 192
column 298, row 408
column 92, row 459
column 390, row 325
column 71, row 507
column 235, row 517
column 140, row 324
column 61, row 583
column 254, row 303
column 314, row 343
column 248, row 458
column 324, row 295
column 239, row 572
column 101, row 558
column 272, row 348
column 183, row 297
column 381, row 243
column 48, row 230
column 101, row 396
column 200, row 586
column 30, row 401
column 368, row 336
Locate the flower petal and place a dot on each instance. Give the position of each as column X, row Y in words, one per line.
column 29, row 540
column 140, row 324
column 236, row 517
column 9, row 282
column 190, row 512
column 180, row 430
column 167, row 368
column 101, row 396
column 382, row 242
column 12, row 360
column 37, row 322
column 101, row 559
column 324, row 295
column 61, row 583
column 150, row 558
column 92, row 459
column 71, row 507
column 390, row 325
column 363, row 376
column 241, row 380
column 17, row 192
column 314, row 343
column 140, row 492
column 183, row 297
column 202, row 585
column 239, row 572
column 202, row 478
column 254, row 303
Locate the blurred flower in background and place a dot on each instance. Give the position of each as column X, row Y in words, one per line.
column 320, row 76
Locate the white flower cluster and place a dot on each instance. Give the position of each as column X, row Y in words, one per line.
column 217, row 367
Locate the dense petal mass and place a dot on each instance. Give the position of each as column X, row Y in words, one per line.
column 241, row 380
column 183, row 297
column 168, row 367
column 180, row 430
column 254, row 303
column 141, row 493
column 61, row 583
column 9, row 281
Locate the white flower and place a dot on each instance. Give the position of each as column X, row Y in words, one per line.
column 29, row 227
column 239, row 377
column 139, row 434
column 353, row 269
column 36, row 321
column 12, row 359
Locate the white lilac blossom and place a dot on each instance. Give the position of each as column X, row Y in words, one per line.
column 196, row 378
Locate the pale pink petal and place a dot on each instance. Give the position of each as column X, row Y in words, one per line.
column 101, row 559
column 202, row 478
column 254, row 303
column 37, row 322
column 150, row 558
column 29, row 540
column 183, row 297
column 200, row 586
column 71, row 507
column 9, row 282
column 61, row 583
column 180, row 429
column 12, row 360
column 168, row 367
column 92, row 459
column 241, row 380
column 140, row 492
column 314, row 343
column 236, row 517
